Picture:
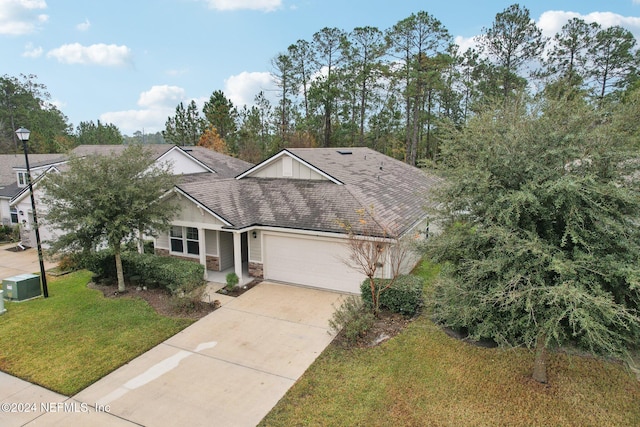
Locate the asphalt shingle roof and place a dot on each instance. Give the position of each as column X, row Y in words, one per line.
column 396, row 191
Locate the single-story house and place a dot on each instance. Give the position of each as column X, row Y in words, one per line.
column 282, row 219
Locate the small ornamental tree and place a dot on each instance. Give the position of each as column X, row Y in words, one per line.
column 108, row 200
column 371, row 246
column 543, row 243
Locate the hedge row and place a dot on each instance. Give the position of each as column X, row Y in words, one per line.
column 404, row 296
column 150, row 270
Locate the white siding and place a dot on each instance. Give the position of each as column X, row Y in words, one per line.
column 192, row 216
column 181, row 163
column 277, row 168
column 255, row 246
column 162, row 241
column 226, row 250
column 211, row 242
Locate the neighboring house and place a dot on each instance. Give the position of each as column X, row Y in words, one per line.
column 13, row 180
column 184, row 161
column 280, row 219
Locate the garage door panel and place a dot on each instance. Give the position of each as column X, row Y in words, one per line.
column 310, row 262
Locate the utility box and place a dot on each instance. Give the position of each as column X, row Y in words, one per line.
column 21, row 287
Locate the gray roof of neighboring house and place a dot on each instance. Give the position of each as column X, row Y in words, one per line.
column 8, row 181
column 225, row 166
column 102, row 150
column 396, row 191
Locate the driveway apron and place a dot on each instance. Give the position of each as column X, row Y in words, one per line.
column 228, row 369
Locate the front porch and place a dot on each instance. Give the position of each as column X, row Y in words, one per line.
column 221, row 276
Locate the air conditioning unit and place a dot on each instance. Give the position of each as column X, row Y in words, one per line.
column 21, row 287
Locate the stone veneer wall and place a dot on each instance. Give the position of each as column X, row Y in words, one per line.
column 255, row 270
column 213, row 262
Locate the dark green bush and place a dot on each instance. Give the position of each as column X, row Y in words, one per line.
column 174, row 274
column 404, row 296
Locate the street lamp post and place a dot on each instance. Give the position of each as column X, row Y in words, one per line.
column 23, row 135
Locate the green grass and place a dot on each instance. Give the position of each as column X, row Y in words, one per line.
column 76, row 336
column 424, row 377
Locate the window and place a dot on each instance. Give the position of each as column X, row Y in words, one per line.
column 184, row 240
column 193, row 246
column 14, row 215
column 22, row 179
column 176, row 239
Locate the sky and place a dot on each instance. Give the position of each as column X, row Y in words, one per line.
column 132, row 62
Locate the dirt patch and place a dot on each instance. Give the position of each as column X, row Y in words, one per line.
column 239, row 290
column 161, row 300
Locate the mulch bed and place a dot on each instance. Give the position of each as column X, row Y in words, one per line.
column 160, row 299
column 17, row 249
column 239, row 290
column 386, row 326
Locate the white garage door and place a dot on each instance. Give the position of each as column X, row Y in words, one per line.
column 309, row 262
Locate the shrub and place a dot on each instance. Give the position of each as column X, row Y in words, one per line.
column 232, row 280
column 188, row 302
column 404, row 296
column 352, row 318
column 9, row 233
column 176, row 275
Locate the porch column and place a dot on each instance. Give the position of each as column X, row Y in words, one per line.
column 202, row 247
column 237, row 256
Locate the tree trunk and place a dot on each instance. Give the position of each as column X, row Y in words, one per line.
column 374, row 296
column 540, row 364
column 119, row 271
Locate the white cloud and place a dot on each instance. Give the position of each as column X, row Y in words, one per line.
column 30, row 51
column 96, row 54
column 263, row 5
column 157, row 104
column 465, row 43
column 21, row 16
column 83, row 26
column 163, row 95
column 551, row 22
column 243, row 87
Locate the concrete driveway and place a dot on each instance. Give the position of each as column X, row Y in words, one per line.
column 228, row 369
column 14, row 263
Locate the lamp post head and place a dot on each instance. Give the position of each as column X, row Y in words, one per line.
column 23, row 134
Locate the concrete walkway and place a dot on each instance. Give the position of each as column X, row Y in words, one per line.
column 228, row 369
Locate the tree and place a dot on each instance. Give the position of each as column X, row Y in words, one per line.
column 328, row 47
column 371, row 246
column 24, row 102
column 542, row 240
column 366, row 48
column 89, row 133
column 185, row 127
column 220, row 113
column 211, row 139
column 511, row 42
column 567, row 58
column 419, row 43
column 108, row 200
column 612, row 59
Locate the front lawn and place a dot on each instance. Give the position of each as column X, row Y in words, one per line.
column 76, row 336
column 424, row 377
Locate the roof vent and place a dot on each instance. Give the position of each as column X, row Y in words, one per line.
column 345, row 152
